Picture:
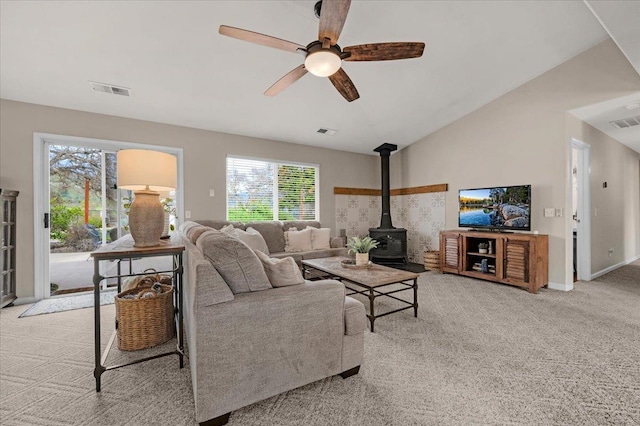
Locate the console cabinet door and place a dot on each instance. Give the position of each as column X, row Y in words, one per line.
column 516, row 261
column 450, row 252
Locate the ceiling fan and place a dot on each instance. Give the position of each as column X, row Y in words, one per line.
column 323, row 57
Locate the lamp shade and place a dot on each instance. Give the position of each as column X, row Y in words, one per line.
column 141, row 168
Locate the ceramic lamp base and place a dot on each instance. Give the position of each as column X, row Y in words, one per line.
column 146, row 219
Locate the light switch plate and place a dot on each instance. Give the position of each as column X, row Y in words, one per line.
column 212, row 193
column 558, row 212
column 187, row 214
column 550, row 212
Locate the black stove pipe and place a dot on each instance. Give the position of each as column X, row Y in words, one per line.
column 385, row 151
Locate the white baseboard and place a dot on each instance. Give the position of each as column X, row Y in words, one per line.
column 613, row 267
column 561, row 287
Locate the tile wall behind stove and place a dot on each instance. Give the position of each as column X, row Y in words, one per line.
column 422, row 215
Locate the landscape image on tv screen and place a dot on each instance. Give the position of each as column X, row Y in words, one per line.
column 500, row 207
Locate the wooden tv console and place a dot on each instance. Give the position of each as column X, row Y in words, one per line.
column 517, row 259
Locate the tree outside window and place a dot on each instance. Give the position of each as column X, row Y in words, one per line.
column 255, row 187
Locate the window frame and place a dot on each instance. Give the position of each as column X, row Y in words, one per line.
column 276, row 163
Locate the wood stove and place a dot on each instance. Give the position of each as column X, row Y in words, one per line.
column 393, row 241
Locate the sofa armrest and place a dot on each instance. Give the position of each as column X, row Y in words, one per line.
column 338, row 242
column 263, row 343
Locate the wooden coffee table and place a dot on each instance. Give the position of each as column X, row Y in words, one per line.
column 367, row 281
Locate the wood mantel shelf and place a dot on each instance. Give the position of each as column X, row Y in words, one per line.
column 442, row 187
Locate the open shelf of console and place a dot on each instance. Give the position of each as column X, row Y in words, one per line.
column 509, row 258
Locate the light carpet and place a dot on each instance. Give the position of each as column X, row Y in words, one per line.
column 67, row 303
column 479, row 353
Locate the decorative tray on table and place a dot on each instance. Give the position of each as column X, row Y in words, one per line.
column 351, row 264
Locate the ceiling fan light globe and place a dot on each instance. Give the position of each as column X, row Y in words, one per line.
column 323, row 63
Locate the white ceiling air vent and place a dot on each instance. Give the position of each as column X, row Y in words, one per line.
column 108, row 88
column 627, row 122
column 327, row 131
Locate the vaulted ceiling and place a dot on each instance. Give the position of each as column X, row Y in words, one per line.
column 181, row 71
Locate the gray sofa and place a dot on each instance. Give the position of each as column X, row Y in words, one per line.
column 249, row 346
column 273, row 233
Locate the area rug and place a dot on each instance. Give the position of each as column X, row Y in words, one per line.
column 69, row 303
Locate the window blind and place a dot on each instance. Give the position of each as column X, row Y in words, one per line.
column 265, row 190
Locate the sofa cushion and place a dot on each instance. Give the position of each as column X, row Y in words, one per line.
column 355, row 319
column 272, row 232
column 185, row 226
column 299, row 224
column 194, row 232
column 297, row 241
column 253, row 239
column 317, row 254
column 234, row 261
column 229, row 230
column 281, row 272
column 320, row 238
column 295, row 256
column 217, row 224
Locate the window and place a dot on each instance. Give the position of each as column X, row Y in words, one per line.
column 256, row 187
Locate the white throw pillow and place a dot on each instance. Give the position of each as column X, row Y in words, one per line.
column 320, row 238
column 298, row 241
column 229, row 230
column 253, row 239
column 281, row 272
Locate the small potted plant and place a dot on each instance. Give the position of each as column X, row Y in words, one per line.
column 361, row 247
column 483, row 248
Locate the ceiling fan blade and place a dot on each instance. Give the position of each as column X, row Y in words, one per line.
column 333, row 13
column 345, row 86
column 384, row 51
column 286, row 81
column 262, row 39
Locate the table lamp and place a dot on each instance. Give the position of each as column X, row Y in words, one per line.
column 145, row 173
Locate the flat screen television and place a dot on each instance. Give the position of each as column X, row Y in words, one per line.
column 497, row 208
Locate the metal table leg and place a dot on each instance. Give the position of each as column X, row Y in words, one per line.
column 99, row 369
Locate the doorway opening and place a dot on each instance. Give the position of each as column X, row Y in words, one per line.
column 581, row 207
column 78, row 209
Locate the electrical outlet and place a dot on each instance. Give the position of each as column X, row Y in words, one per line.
column 187, row 214
column 551, row 212
column 611, row 252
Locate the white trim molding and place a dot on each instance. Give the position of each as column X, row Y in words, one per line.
column 613, row 267
column 561, row 287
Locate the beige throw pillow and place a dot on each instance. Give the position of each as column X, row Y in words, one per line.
column 253, row 239
column 229, row 230
column 320, row 238
column 235, row 262
column 298, row 241
column 281, row 272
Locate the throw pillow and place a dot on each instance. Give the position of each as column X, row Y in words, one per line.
column 235, row 262
column 253, row 239
column 281, row 272
column 229, row 230
column 298, row 241
column 195, row 232
column 320, row 238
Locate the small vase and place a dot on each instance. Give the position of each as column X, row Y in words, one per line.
column 362, row 259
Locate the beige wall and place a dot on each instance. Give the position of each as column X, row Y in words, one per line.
column 615, row 210
column 521, row 138
column 204, row 159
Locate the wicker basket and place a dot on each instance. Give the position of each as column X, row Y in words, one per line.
column 432, row 260
column 145, row 321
